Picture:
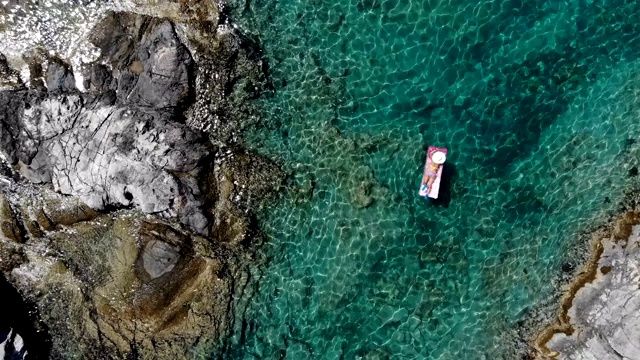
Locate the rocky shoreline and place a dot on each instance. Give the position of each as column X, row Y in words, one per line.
column 596, row 318
column 127, row 199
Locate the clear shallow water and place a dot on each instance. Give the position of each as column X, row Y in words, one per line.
column 538, row 105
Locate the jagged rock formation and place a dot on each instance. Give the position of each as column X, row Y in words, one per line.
column 125, row 203
column 122, row 146
column 107, row 155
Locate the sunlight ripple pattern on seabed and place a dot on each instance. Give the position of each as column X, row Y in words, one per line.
column 537, row 103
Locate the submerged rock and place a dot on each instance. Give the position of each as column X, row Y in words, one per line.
column 361, row 195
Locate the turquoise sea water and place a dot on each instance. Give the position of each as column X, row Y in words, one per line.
column 537, row 102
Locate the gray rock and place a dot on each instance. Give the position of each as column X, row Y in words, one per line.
column 111, row 156
column 164, row 82
column 117, row 148
column 152, row 72
column 100, row 78
column 11, row 109
column 159, row 258
column 59, row 77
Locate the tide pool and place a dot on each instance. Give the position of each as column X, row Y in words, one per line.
column 538, row 105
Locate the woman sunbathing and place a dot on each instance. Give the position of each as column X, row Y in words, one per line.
column 431, row 170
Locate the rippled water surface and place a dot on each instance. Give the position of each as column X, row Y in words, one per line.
column 537, row 102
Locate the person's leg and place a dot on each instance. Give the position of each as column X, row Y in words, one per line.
column 424, row 185
column 430, row 182
column 427, row 177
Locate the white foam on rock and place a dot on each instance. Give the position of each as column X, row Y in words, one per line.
column 79, row 79
column 57, row 27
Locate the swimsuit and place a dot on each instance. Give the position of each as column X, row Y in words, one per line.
column 432, row 171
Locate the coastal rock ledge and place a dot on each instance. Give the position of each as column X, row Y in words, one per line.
column 600, row 316
column 126, row 198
